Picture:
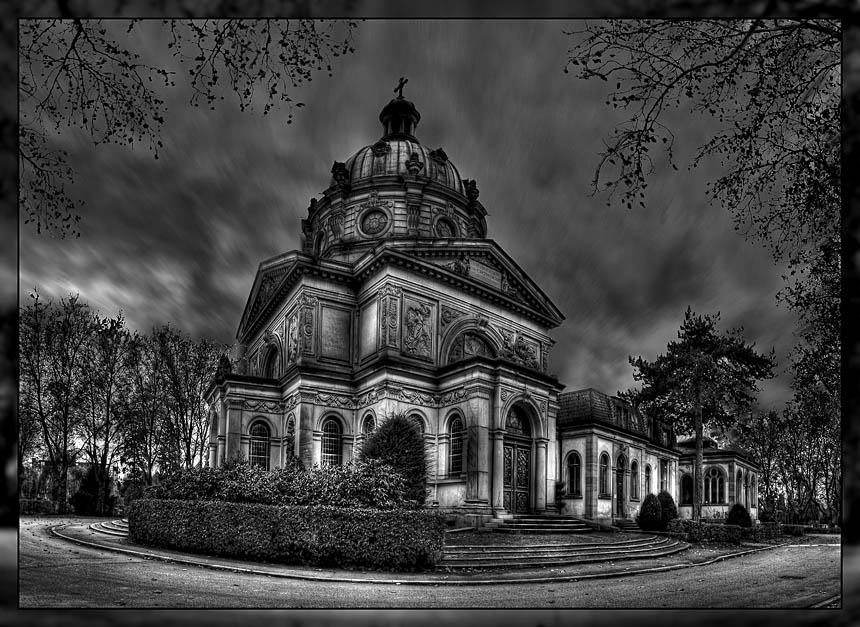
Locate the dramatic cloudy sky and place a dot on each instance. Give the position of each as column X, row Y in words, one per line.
column 179, row 239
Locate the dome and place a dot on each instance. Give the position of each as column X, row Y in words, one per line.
column 392, row 156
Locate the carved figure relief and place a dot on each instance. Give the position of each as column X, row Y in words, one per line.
column 340, row 174
column 517, row 349
column 417, row 340
column 439, row 155
column 469, row 345
column 293, row 339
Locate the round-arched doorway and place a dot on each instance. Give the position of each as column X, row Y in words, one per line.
column 517, row 476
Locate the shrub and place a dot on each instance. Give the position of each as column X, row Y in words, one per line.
column 668, row 510
column 398, row 442
column 792, row 530
column 650, row 517
column 738, row 515
column 313, row 535
column 36, row 506
column 369, row 484
column 86, row 501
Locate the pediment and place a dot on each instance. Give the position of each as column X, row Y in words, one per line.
column 488, row 266
column 265, row 289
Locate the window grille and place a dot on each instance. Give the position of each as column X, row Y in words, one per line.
column 331, row 444
column 715, row 489
column 574, row 475
column 258, row 452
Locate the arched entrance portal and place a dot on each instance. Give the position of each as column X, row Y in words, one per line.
column 620, row 497
column 517, row 481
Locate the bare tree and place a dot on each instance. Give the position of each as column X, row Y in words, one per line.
column 53, row 369
column 108, row 356
column 81, row 74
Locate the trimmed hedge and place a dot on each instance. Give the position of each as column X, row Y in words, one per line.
column 311, row 535
column 793, row 530
column 720, row 532
column 371, row 483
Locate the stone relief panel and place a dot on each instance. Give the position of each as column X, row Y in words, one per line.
column 334, row 333
column 519, row 349
column 293, row 338
column 307, row 309
column 418, row 328
column 389, row 318
column 449, row 315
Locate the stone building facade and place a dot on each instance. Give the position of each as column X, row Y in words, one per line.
column 399, row 302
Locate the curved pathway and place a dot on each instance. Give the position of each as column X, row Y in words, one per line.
column 54, row 572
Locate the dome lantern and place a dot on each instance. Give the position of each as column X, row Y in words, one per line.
column 399, row 117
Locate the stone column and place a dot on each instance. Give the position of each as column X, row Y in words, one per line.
column 234, row 428
column 498, row 437
column 540, row 476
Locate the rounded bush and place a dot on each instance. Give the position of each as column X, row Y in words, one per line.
column 668, row 509
column 398, row 443
column 650, row 516
column 738, row 515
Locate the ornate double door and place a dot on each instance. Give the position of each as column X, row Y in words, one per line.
column 517, row 476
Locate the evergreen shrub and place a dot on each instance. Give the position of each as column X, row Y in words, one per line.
column 668, row 510
column 36, row 506
column 398, row 442
column 395, row 539
column 86, row 500
column 738, row 515
column 650, row 517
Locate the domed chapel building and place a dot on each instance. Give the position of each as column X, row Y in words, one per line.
column 398, row 302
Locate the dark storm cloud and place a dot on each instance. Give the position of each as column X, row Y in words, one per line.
column 179, row 239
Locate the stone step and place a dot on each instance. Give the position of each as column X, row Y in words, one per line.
column 531, row 548
column 519, row 561
column 115, row 525
column 101, row 528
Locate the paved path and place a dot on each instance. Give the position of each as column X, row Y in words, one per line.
column 56, row 573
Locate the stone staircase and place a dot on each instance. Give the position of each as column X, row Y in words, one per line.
column 535, row 524
column 112, row 527
column 543, row 555
column 626, row 524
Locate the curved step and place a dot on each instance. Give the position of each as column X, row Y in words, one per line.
column 477, row 550
column 101, row 528
column 522, row 562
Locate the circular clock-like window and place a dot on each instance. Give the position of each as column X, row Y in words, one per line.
column 374, row 222
column 444, row 228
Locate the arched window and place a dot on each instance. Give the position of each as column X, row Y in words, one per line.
column 604, row 475
column 258, row 450
column 664, row 475
column 455, row 446
column 687, row 490
column 648, row 479
column 419, row 422
column 332, row 454
column 574, row 474
column 634, row 479
column 715, row 489
column 368, row 426
column 747, row 491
